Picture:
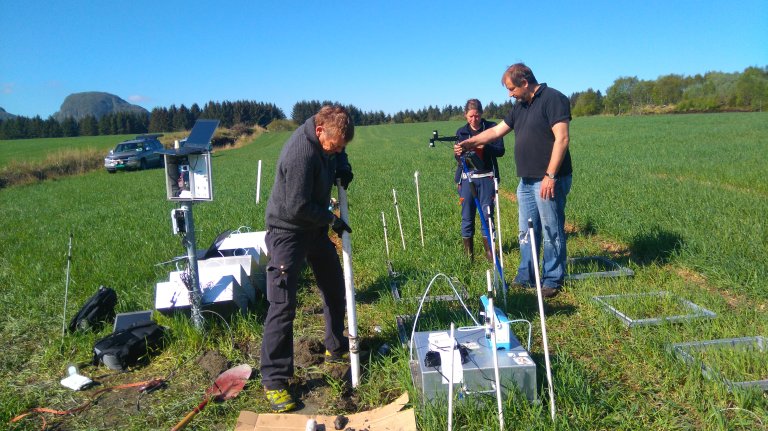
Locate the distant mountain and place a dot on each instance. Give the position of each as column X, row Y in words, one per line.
column 4, row 115
column 98, row 104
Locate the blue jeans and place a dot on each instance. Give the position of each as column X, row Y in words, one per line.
column 485, row 194
column 548, row 216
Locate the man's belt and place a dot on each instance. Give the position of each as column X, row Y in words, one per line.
column 473, row 176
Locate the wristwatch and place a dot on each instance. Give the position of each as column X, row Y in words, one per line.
column 550, row 176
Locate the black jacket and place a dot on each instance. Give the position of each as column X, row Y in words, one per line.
column 304, row 176
column 491, row 151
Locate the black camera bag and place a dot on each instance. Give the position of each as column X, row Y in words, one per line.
column 97, row 309
column 124, row 348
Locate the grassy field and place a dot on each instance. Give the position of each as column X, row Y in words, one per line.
column 34, row 150
column 681, row 200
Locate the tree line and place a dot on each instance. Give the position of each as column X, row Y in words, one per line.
column 711, row 92
column 171, row 119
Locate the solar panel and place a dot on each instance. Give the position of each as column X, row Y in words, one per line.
column 201, row 133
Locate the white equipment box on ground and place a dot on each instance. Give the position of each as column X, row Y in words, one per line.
column 249, row 263
column 232, row 278
column 476, row 374
column 216, row 289
column 247, row 243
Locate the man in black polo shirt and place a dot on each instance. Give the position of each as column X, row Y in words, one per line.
column 540, row 118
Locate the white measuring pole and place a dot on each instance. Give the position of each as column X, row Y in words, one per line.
column 494, row 347
column 418, row 204
column 498, row 222
column 386, row 240
column 543, row 322
column 399, row 223
column 349, row 285
column 450, row 381
column 66, row 288
column 258, row 183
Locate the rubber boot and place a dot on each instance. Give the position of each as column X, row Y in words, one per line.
column 488, row 254
column 469, row 247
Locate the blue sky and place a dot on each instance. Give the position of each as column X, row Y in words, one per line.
column 377, row 55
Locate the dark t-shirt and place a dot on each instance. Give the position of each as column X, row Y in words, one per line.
column 534, row 139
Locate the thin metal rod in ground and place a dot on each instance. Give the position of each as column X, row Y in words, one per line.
column 535, row 258
column 66, row 288
column 399, row 222
column 386, row 240
column 418, row 204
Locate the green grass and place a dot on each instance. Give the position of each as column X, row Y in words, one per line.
column 34, row 150
column 681, row 200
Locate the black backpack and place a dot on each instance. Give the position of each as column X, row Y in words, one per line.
column 97, row 309
column 124, row 348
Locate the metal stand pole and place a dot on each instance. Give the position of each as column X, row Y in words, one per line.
column 349, row 284
column 418, row 204
column 543, row 322
column 66, row 288
column 195, row 294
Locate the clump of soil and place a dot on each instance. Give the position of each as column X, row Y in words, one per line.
column 308, row 352
column 317, row 382
column 213, row 362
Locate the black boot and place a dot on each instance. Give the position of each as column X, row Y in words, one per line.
column 488, row 254
column 469, row 247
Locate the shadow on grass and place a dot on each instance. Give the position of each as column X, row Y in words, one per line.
column 655, row 246
column 387, row 284
column 522, row 303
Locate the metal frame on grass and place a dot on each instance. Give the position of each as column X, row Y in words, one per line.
column 683, row 350
column 696, row 311
column 615, row 270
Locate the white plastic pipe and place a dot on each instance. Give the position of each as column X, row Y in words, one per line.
column 349, row 285
column 418, row 204
column 399, row 222
column 450, row 380
column 494, row 347
column 258, row 183
column 543, row 320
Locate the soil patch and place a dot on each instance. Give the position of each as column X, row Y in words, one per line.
column 213, row 363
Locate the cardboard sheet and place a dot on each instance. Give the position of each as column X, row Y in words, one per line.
column 391, row 417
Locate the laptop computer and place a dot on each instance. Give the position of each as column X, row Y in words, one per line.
column 125, row 320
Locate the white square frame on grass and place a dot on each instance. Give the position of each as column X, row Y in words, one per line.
column 683, row 350
column 696, row 311
column 611, row 269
